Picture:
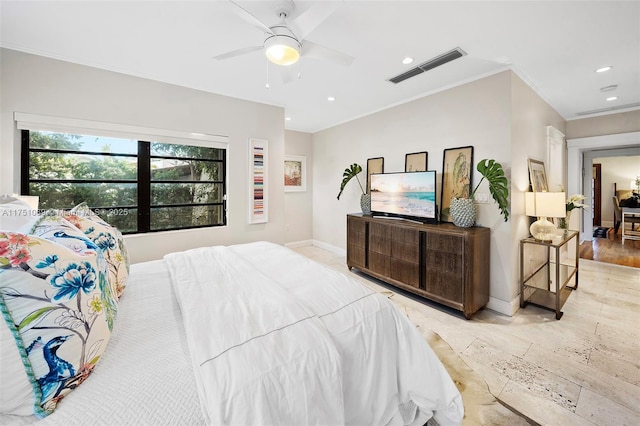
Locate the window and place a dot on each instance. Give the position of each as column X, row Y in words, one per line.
column 138, row 186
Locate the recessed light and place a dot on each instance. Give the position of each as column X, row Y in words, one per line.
column 612, row 98
column 287, row 118
column 603, row 69
column 331, row 98
column 407, row 60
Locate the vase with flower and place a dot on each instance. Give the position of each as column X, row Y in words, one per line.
column 572, row 203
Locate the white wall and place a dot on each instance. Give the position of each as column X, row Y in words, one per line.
column 298, row 206
column 38, row 85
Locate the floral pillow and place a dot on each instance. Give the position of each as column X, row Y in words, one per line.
column 107, row 238
column 60, row 308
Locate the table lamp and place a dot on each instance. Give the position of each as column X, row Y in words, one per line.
column 543, row 205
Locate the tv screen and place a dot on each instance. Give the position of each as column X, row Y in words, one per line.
column 409, row 195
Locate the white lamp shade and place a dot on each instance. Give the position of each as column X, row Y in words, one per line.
column 545, row 204
column 633, row 185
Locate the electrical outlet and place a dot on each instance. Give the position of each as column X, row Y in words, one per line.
column 481, row 198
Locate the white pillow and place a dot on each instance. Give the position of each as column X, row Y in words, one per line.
column 16, row 215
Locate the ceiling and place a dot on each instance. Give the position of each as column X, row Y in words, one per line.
column 554, row 46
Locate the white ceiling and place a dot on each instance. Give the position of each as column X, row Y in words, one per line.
column 555, row 46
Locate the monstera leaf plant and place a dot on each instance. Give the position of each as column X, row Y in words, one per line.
column 498, row 184
column 349, row 173
column 463, row 211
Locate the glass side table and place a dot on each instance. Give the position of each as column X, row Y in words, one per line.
column 546, row 284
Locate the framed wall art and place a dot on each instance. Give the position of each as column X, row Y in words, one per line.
column 416, row 162
column 258, row 160
column 295, row 173
column 537, row 176
column 457, row 177
column 374, row 165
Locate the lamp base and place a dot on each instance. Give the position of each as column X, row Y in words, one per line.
column 543, row 230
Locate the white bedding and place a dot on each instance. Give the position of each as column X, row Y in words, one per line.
column 384, row 367
column 279, row 307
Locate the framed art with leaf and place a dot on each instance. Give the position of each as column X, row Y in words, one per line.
column 457, row 177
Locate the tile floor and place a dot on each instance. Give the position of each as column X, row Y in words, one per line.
column 581, row 370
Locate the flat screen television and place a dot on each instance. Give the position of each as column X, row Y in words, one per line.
column 406, row 195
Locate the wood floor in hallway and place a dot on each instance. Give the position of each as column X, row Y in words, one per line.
column 611, row 250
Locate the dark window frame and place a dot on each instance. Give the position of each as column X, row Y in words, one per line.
column 143, row 182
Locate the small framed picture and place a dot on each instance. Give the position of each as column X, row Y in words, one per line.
column 374, row 165
column 295, row 173
column 457, row 175
column 537, row 176
column 416, row 162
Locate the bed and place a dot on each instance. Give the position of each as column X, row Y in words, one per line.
column 252, row 334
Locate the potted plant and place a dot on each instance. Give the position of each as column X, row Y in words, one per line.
column 463, row 211
column 349, row 173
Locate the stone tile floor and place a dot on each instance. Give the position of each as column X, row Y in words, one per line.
column 581, row 370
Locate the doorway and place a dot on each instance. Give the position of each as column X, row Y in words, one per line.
column 596, row 194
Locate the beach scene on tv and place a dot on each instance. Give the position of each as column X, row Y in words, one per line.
column 407, row 194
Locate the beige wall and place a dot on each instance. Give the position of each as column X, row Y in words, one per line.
column 298, row 206
column 37, row 85
column 477, row 114
column 530, row 116
column 610, row 124
column 500, row 116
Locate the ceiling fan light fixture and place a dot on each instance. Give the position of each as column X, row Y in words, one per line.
column 282, row 50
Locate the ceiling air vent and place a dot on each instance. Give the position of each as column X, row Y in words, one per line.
column 430, row 64
column 613, row 108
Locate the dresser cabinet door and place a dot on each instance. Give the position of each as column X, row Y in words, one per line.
column 405, row 256
column 380, row 248
column 444, row 265
column 356, row 242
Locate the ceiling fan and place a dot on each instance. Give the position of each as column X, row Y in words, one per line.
column 285, row 42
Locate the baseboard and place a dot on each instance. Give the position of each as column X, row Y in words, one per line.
column 502, row 307
column 297, row 244
column 329, row 247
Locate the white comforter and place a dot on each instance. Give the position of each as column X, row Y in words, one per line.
column 275, row 338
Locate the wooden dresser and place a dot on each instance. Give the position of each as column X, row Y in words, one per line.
column 440, row 262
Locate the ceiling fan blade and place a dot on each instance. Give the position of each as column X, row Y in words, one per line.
column 314, row 16
column 238, row 52
column 313, row 50
column 249, row 18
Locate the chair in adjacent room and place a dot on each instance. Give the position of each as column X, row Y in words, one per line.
column 617, row 218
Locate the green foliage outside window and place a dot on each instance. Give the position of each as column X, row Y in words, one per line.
column 186, row 187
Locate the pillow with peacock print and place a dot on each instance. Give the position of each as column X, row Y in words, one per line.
column 59, row 308
column 106, row 237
